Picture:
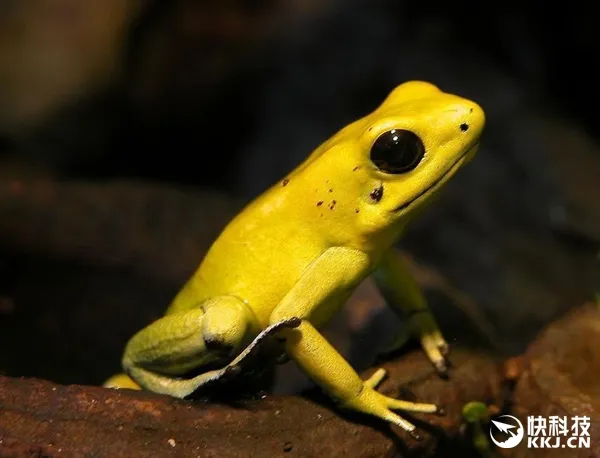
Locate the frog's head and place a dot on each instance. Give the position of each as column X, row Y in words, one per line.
column 406, row 149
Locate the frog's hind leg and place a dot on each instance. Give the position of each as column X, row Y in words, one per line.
column 184, row 387
column 158, row 356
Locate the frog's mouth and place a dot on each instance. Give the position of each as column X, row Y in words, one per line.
column 442, row 178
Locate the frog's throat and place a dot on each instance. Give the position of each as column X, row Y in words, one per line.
column 451, row 170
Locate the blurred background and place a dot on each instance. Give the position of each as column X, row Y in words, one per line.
column 132, row 130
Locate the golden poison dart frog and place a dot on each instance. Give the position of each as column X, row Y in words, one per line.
column 287, row 263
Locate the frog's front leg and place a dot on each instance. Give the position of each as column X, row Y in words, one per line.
column 403, row 294
column 331, row 276
column 158, row 355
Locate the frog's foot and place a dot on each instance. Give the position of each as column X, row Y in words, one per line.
column 121, row 381
column 181, row 388
column 437, row 351
column 374, row 403
column 435, row 346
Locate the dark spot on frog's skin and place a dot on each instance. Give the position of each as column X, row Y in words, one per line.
column 319, row 203
column 332, row 205
column 356, row 168
column 377, row 193
column 285, row 182
column 331, row 190
column 471, row 110
column 464, row 127
column 356, row 211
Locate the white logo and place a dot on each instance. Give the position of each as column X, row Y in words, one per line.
column 552, row 432
column 513, row 439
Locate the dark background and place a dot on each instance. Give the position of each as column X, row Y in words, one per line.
column 203, row 97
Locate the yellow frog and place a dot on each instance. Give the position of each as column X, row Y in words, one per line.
column 287, row 263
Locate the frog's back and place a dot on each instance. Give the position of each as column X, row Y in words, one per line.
column 265, row 249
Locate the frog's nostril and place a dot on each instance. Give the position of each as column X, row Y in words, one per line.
column 464, row 126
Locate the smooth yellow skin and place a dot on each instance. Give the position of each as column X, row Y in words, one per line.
column 291, row 258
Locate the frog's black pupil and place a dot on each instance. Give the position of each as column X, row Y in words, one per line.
column 397, row 151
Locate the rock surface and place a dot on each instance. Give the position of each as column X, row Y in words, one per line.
column 560, row 377
column 40, row 418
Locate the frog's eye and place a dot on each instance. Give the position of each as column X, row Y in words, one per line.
column 397, row 151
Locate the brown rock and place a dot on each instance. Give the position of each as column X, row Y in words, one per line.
column 561, row 378
column 39, row 418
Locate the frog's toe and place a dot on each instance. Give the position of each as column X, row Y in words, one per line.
column 376, row 378
column 121, row 381
column 415, row 435
column 437, row 351
column 439, row 362
column 444, row 348
column 442, row 368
